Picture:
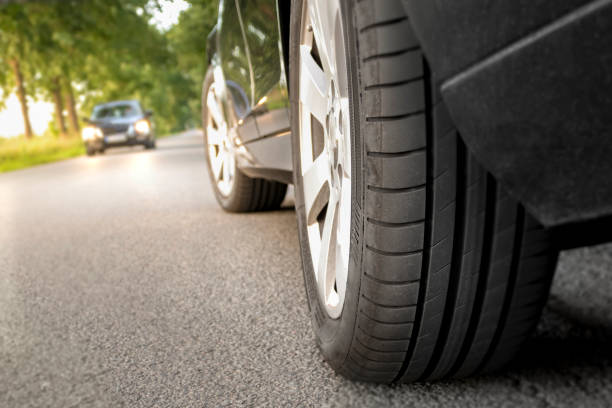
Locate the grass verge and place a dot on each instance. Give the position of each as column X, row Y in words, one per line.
column 18, row 153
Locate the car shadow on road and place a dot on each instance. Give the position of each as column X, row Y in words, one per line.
column 566, row 339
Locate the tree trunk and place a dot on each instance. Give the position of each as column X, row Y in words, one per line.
column 21, row 94
column 59, row 107
column 73, row 119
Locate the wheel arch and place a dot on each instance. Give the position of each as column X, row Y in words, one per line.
column 284, row 15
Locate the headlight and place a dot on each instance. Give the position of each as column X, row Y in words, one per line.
column 142, row 126
column 91, row 132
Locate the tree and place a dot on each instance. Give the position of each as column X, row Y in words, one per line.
column 73, row 117
column 59, row 106
column 22, row 96
column 13, row 33
column 188, row 41
column 78, row 53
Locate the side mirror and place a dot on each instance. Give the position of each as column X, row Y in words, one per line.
column 148, row 113
column 86, row 120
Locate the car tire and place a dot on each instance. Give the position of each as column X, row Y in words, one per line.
column 447, row 274
column 245, row 194
column 90, row 150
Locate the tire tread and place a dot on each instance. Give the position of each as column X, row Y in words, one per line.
column 443, row 241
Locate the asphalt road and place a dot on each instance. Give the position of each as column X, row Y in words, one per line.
column 123, row 284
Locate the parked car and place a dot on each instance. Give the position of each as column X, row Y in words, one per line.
column 119, row 123
column 442, row 154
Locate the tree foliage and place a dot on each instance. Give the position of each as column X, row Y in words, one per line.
column 103, row 50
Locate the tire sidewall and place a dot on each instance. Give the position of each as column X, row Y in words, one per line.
column 333, row 336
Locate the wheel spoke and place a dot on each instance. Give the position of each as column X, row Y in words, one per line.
column 306, row 145
column 232, row 165
column 313, row 86
column 341, row 268
column 216, row 162
column 226, row 168
column 213, row 136
column 326, row 271
column 345, row 153
column 214, row 109
column 340, row 61
column 316, row 187
column 323, row 15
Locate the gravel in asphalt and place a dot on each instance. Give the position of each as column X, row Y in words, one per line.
column 123, row 284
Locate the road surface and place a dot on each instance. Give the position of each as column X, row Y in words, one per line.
column 123, row 284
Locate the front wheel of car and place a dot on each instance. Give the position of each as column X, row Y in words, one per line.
column 417, row 264
column 234, row 190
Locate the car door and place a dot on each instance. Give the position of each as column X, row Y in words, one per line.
column 270, row 101
column 236, row 71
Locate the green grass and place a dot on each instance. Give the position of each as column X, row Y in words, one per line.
column 18, row 153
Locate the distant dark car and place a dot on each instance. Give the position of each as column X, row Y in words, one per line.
column 442, row 152
column 120, row 123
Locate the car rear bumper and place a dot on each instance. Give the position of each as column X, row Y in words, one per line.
column 529, row 86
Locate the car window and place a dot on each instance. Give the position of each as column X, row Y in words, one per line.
column 115, row 111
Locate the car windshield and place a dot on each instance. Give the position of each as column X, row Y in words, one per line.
column 115, row 111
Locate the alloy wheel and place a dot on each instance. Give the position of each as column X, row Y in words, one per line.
column 325, row 148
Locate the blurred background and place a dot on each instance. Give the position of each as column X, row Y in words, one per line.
column 61, row 58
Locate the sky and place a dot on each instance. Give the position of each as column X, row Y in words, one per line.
column 11, row 121
column 168, row 16
column 41, row 112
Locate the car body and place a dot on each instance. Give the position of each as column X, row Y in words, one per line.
column 248, row 63
column 556, row 166
column 118, row 123
column 442, row 154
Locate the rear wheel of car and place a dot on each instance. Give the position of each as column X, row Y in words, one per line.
column 150, row 144
column 418, row 266
column 235, row 191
